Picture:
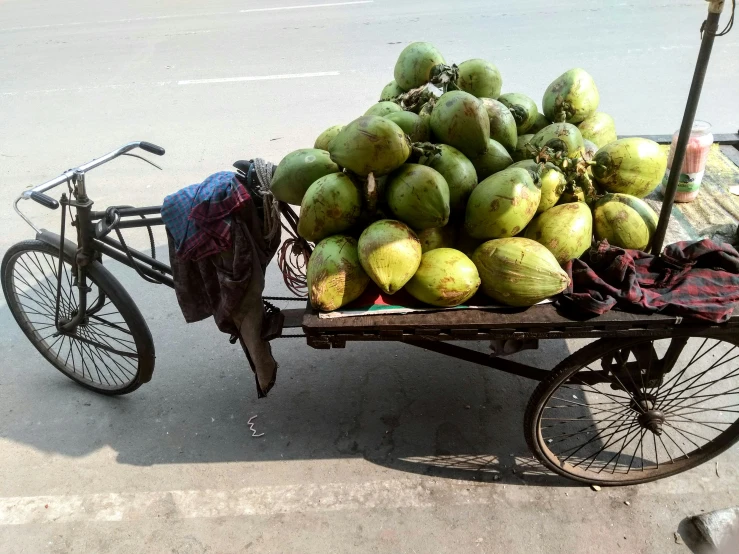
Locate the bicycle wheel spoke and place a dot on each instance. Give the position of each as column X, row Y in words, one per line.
column 97, row 355
column 607, row 395
column 697, row 377
column 122, row 342
column 665, row 433
column 103, row 342
column 611, row 439
column 665, row 448
column 624, row 444
column 638, row 445
column 113, row 324
column 710, row 383
column 599, row 437
column 704, row 423
column 694, row 359
column 110, row 357
column 631, row 377
column 683, row 433
column 578, row 404
column 563, row 437
column 688, row 406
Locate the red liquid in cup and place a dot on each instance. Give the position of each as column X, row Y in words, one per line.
column 694, row 165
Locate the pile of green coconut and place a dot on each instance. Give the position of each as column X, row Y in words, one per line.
column 447, row 185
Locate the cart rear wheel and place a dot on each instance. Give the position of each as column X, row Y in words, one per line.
column 629, row 411
column 110, row 352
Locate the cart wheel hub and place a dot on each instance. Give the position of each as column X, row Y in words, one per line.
column 652, row 420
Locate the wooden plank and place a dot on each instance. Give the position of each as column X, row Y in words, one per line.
column 730, row 152
column 714, row 213
column 544, row 315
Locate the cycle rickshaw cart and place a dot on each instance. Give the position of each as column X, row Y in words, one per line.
column 652, row 396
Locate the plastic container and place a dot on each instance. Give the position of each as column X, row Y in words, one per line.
column 694, row 165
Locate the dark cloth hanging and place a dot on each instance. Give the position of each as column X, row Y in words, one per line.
column 219, row 262
column 690, row 279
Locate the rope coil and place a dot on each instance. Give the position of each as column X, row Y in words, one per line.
column 294, row 252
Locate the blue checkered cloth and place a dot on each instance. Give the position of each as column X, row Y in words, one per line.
column 199, row 216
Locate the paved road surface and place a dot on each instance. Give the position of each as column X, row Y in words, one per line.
column 368, row 449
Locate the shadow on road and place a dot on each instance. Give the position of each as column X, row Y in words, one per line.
column 396, row 406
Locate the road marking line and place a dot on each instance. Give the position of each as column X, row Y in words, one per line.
column 178, row 16
column 166, row 83
column 268, row 500
column 306, row 6
column 258, row 78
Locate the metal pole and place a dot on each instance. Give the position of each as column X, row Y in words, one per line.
column 709, row 29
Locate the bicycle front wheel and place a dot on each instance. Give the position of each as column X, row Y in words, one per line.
column 111, row 351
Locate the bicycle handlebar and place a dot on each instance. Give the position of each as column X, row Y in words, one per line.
column 36, row 193
column 67, row 175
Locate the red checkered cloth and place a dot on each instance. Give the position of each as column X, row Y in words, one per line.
column 199, row 217
column 691, row 279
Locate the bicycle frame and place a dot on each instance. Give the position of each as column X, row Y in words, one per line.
column 92, row 230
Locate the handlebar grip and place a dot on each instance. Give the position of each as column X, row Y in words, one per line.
column 45, row 201
column 151, row 148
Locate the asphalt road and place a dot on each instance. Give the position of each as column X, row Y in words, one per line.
column 369, row 449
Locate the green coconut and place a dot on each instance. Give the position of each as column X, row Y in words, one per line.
column 370, row 144
column 495, row 159
column 572, row 97
column 325, row 138
column 445, row 277
column 417, row 128
column 632, row 166
column 437, row 237
column 460, row 120
column 390, row 253
column 390, row 91
column 523, row 108
column 551, row 182
column 540, row 122
column 502, row 123
column 518, row 271
column 566, row 230
column 598, row 128
column 419, row 196
column 480, row 78
column 502, row 205
column 523, row 150
column 297, row 171
column 560, row 137
column 331, row 205
column 458, row 172
column 383, row 108
column 415, row 63
column 619, row 226
column 335, row 276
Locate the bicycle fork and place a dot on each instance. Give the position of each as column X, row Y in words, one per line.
column 82, row 258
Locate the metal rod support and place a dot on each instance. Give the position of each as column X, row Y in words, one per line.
column 469, row 355
column 134, row 223
column 148, row 260
column 701, row 66
column 121, row 257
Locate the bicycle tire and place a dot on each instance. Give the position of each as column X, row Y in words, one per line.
column 124, row 349
column 682, row 405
